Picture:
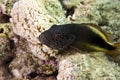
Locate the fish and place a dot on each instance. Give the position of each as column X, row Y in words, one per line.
column 84, row 36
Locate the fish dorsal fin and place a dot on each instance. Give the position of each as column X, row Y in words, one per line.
column 95, row 26
column 109, row 36
column 106, row 34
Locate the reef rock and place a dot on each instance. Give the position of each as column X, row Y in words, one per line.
column 105, row 13
column 87, row 66
column 32, row 17
column 7, row 5
column 6, row 55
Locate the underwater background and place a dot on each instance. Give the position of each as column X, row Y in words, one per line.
column 24, row 57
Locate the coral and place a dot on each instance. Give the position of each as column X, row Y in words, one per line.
column 104, row 13
column 87, row 66
column 67, row 4
column 6, row 55
column 26, row 66
column 32, row 17
column 8, row 4
column 45, row 78
column 4, row 42
column 3, row 29
column 3, row 17
column 22, row 64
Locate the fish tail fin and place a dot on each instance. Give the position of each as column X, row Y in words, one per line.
column 116, row 51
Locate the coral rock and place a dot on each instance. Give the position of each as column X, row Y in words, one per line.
column 88, row 66
column 32, row 17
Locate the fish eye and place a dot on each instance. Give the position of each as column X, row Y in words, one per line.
column 71, row 37
column 63, row 33
column 65, row 28
column 57, row 35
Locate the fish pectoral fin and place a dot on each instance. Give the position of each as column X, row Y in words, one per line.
column 64, row 40
column 69, row 39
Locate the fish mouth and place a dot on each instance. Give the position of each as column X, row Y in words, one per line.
column 41, row 38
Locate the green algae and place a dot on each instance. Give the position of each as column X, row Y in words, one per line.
column 55, row 10
column 8, row 5
column 105, row 13
column 4, row 29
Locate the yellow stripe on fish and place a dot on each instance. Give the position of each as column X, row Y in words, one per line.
column 98, row 32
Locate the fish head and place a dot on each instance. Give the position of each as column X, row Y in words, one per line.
column 46, row 38
column 56, row 38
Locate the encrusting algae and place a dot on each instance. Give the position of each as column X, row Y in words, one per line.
column 85, row 36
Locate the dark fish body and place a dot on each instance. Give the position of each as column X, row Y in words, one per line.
column 85, row 36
